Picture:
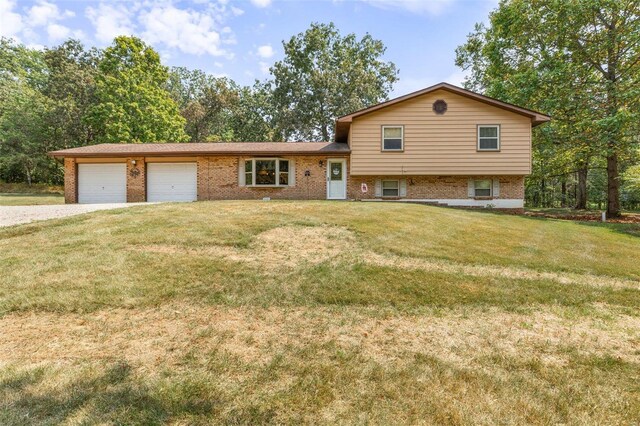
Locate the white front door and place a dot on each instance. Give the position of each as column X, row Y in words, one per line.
column 102, row 183
column 336, row 179
column 172, row 182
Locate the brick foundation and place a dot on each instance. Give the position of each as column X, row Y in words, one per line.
column 436, row 187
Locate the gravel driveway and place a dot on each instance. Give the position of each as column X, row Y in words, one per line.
column 13, row 215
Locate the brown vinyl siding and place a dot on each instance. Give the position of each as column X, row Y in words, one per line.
column 441, row 144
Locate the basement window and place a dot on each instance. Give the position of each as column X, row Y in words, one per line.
column 482, row 188
column 390, row 188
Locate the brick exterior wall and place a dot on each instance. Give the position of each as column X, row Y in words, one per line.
column 218, row 180
column 436, row 187
column 70, row 181
column 136, row 180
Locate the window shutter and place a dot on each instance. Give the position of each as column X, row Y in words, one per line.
column 496, row 188
column 403, row 188
column 241, row 178
column 378, row 188
column 292, row 173
column 471, row 192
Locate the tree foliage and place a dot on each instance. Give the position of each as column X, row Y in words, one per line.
column 325, row 75
column 132, row 103
column 578, row 60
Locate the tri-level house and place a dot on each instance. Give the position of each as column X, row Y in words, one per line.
column 442, row 144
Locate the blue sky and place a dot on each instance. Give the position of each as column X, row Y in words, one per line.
column 240, row 39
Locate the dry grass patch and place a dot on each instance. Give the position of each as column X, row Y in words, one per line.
column 325, row 365
column 276, row 249
column 162, row 336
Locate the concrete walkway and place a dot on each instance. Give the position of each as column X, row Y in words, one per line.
column 13, row 215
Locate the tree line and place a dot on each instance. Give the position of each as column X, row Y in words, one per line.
column 578, row 61
column 69, row 96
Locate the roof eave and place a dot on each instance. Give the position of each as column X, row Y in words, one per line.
column 60, row 154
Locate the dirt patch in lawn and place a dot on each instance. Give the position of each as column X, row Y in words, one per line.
column 164, row 336
column 278, row 248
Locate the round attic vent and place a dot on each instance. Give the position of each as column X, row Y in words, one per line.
column 440, row 106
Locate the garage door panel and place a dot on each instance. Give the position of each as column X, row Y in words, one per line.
column 171, row 182
column 102, row 183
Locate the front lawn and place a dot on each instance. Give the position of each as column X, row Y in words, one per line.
column 318, row 312
column 28, row 199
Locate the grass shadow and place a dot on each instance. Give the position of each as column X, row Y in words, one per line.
column 115, row 396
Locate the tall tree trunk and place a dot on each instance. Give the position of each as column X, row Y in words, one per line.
column 581, row 189
column 563, row 192
column 613, row 186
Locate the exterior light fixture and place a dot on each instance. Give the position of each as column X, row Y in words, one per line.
column 320, row 163
column 133, row 162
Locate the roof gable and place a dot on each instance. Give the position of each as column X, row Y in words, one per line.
column 344, row 123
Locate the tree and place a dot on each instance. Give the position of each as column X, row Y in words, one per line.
column 132, row 102
column 323, row 76
column 577, row 60
column 25, row 136
column 253, row 116
column 70, row 87
column 218, row 109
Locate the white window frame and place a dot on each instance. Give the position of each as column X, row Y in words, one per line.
column 253, row 172
column 475, row 188
column 401, row 137
column 480, row 126
column 397, row 181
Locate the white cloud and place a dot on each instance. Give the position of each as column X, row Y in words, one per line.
column 57, row 32
column 424, row 7
column 43, row 13
column 10, row 22
column 261, row 3
column 187, row 30
column 236, row 11
column 265, row 51
column 110, row 21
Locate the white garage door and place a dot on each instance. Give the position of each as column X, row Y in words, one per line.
column 172, row 182
column 102, row 183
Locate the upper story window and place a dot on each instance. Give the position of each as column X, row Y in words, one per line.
column 489, row 137
column 392, row 138
column 266, row 172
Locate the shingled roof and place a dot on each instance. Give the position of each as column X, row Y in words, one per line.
column 208, row 148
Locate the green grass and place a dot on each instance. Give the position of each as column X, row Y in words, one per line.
column 318, row 312
column 13, row 199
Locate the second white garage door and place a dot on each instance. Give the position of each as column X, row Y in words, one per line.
column 172, row 182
